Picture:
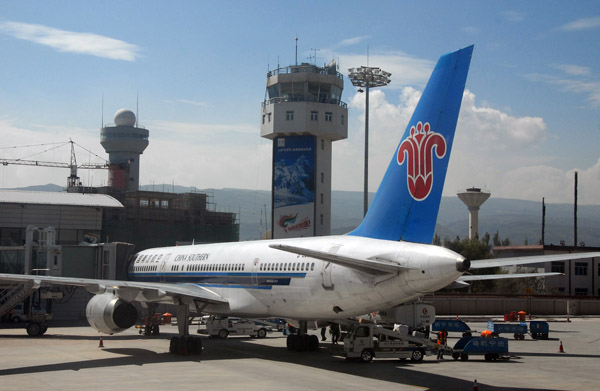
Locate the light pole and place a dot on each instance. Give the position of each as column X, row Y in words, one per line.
column 368, row 77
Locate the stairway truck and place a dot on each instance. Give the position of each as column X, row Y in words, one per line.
column 368, row 341
column 416, row 316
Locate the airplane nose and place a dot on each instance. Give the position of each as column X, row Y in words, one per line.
column 462, row 265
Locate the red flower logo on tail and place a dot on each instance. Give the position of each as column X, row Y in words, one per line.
column 417, row 151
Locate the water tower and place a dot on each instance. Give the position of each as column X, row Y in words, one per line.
column 473, row 198
column 303, row 114
column 124, row 143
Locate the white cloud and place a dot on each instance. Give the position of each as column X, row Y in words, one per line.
column 575, row 70
column 352, row 41
column 72, row 42
column 189, row 102
column 405, row 69
column 588, row 87
column 582, row 24
column 513, row 16
column 492, row 149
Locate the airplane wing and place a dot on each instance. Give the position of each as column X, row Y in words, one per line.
column 499, row 262
column 373, row 265
column 481, row 277
column 127, row 290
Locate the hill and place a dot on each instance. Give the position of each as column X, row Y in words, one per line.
column 518, row 220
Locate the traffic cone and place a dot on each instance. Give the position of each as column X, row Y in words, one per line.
column 560, row 348
column 475, row 386
column 101, row 344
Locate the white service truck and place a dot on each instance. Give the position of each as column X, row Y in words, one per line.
column 367, row 341
column 222, row 327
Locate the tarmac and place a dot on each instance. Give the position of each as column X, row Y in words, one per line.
column 69, row 358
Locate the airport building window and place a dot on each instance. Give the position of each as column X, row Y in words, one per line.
column 581, row 291
column 263, row 119
column 314, row 115
column 323, row 181
column 144, row 203
column 581, row 268
column 328, row 117
column 321, row 198
column 289, row 115
column 268, row 117
column 322, row 145
column 558, row 267
column 342, row 119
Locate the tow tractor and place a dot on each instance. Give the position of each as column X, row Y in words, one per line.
column 367, row 341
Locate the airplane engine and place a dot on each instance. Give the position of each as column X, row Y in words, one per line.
column 109, row 314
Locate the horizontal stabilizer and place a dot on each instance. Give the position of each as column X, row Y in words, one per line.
column 375, row 265
column 482, row 277
column 500, row 262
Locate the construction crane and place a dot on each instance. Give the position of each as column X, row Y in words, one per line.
column 73, row 179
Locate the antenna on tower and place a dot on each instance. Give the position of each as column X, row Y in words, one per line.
column 137, row 108
column 102, row 114
column 296, row 51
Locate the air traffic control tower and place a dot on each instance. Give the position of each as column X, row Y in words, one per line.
column 303, row 114
column 124, row 143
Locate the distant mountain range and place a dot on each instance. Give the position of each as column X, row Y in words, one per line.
column 518, row 220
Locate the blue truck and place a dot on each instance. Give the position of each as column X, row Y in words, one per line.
column 539, row 329
column 452, row 326
column 491, row 348
column 518, row 329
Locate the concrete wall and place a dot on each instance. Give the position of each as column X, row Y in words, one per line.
column 454, row 305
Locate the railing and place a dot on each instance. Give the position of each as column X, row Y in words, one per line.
column 305, row 99
column 305, row 68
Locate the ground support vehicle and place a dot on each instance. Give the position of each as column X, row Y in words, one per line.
column 452, row 326
column 539, row 329
column 367, row 341
column 222, row 327
column 491, row 348
column 518, row 329
column 151, row 325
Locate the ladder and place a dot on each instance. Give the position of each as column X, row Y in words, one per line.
column 13, row 295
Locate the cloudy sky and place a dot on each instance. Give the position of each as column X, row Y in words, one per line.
column 529, row 119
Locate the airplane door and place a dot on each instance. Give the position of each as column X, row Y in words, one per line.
column 326, row 273
column 162, row 267
column 254, row 272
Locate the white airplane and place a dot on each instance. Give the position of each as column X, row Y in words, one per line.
column 388, row 260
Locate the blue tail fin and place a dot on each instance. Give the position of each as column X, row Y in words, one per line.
column 406, row 205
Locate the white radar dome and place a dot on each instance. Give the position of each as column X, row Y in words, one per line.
column 124, row 117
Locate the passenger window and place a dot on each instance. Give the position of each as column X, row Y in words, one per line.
column 312, row 266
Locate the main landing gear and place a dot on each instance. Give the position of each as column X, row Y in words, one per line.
column 302, row 342
column 184, row 344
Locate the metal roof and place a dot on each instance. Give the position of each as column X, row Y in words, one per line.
column 58, row 198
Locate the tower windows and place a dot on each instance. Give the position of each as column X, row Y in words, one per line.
column 328, row 117
column 314, row 115
column 342, row 119
column 289, row 115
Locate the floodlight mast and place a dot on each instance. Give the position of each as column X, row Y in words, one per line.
column 368, row 77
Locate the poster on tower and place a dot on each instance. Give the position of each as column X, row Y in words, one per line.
column 294, row 186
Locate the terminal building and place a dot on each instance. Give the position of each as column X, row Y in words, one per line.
column 303, row 114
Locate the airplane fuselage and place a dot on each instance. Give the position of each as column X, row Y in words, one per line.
column 259, row 281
